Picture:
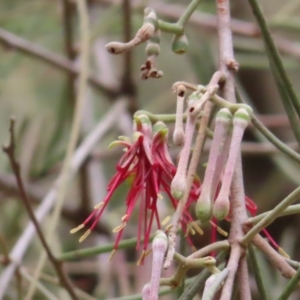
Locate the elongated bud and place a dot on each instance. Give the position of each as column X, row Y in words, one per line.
column 205, row 201
column 178, row 185
column 180, row 44
column 159, row 247
column 178, row 135
column 240, row 122
column 146, row 291
column 142, row 35
column 221, row 208
column 117, row 47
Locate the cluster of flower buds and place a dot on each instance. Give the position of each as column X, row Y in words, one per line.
column 225, row 148
column 150, row 33
column 147, row 167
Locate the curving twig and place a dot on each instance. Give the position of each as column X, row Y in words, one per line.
column 10, row 151
column 79, row 157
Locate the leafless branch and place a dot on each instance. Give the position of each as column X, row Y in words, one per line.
column 79, row 157
column 12, row 41
column 57, row 265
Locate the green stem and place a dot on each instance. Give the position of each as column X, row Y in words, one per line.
column 290, row 287
column 257, row 274
column 291, row 210
column 199, row 281
column 188, row 12
column 166, row 118
column 129, row 243
column 170, row 27
column 271, row 216
column 274, row 140
column 274, row 55
column 269, row 135
column 287, row 103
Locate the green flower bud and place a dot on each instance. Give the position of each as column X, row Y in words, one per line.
column 180, row 44
column 204, row 210
column 241, row 118
column 221, row 208
column 152, row 49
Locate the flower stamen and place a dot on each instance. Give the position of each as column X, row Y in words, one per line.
column 166, row 220
column 99, row 205
column 120, row 227
column 112, row 253
column 85, row 235
column 77, row 228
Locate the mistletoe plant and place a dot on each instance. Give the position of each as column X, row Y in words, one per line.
column 213, row 111
column 151, row 173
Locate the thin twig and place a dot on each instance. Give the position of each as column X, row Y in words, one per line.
column 274, row 55
column 271, row 216
column 257, row 274
column 79, row 157
column 9, row 187
column 67, row 21
column 243, row 278
column 75, row 131
column 10, row 151
column 278, row 261
column 270, row 136
column 291, row 210
column 53, row 59
column 290, row 287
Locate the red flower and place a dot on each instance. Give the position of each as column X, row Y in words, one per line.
column 146, row 164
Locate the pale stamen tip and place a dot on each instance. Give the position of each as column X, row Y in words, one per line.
column 166, row 220
column 222, row 232
column 98, row 206
column 119, row 228
column 85, row 235
column 283, row 253
column 112, row 255
column 77, row 228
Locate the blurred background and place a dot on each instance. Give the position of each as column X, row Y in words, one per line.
column 39, row 47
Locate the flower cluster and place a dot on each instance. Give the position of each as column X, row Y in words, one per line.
column 147, row 166
column 149, row 170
